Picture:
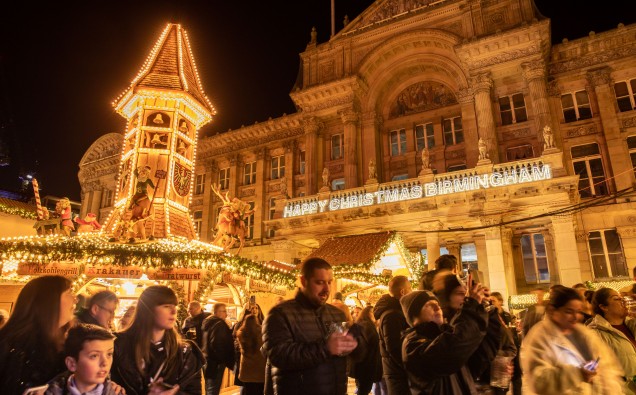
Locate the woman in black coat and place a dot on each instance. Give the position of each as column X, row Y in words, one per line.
column 369, row 369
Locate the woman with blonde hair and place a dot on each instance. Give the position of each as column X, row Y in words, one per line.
column 150, row 356
column 31, row 342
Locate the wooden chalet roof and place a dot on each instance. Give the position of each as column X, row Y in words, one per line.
column 351, row 250
column 9, row 205
column 171, row 66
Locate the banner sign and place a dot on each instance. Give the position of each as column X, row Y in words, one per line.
column 176, row 274
column 55, row 268
column 234, row 279
column 417, row 191
column 112, row 271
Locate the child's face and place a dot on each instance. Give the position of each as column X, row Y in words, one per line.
column 94, row 362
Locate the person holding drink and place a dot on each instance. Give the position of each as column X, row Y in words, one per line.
column 306, row 340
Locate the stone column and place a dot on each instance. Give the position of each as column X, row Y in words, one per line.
column 262, row 209
column 312, row 127
column 496, row 259
column 234, row 175
column 371, row 140
column 481, row 85
column 350, row 121
column 96, row 201
column 482, row 256
column 628, row 240
column 567, row 257
column 455, row 250
column 466, row 100
column 86, row 202
column 534, row 72
column 509, row 264
column 291, row 149
column 210, row 170
column 601, row 81
column 432, row 241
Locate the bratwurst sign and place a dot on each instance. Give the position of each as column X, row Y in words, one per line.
column 436, row 188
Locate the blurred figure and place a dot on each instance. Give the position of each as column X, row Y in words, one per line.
column 436, row 354
column 252, row 370
column 127, row 318
column 100, row 309
column 356, row 312
column 150, row 353
column 191, row 328
column 248, row 309
column 617, row 330
column 511, row 326
column 534, row 313
column 369, row 368
column 586, row 294
column 445, row 263
column 218, row 347
column 338, row 301
column 561, row 356
column 391, row 324
column 279, row 300
column 31, row 342
column 4, row 316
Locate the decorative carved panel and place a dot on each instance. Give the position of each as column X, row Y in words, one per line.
column 581, row 131
column 422, row 96
column 516, row 134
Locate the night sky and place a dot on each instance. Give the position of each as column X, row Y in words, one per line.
column 63, row 63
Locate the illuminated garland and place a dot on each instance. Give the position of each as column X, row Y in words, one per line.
column 182, row 307
column 361, row 276
column 163, row 254
column 205, row 287
column 22, row 212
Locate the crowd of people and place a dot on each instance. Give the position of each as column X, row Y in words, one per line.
column 450, row 336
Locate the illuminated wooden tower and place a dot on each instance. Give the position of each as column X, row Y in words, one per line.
column 164, row 107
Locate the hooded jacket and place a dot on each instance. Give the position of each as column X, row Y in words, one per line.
column 620, row 344
column 551, row 363
column 294, row 341
column 391, row 323
column 436, row 357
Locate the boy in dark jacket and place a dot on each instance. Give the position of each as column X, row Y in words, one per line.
column 88, row 354
column 436, row 354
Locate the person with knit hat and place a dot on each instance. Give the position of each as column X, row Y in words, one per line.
column 435, row 353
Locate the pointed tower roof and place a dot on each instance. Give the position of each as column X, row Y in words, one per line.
column 169, row 66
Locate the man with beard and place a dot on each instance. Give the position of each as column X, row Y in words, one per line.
column 391, row 323
column 304, row 341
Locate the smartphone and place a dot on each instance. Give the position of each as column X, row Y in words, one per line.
column 593, row 365
column 253, row 300
column 36, row 390
column 474, row 278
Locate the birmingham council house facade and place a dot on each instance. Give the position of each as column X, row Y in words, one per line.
column 456, row 124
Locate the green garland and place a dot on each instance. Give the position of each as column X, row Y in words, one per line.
column 22, row 212
column 162, row 254
column 182, row 306
column 205, row 286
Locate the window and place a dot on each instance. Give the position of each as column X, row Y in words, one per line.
column 607, row 254
column 272, row 212
column 108, row 198
column 278, row 167
column 453, row 132
column 199, row 184
column 224, row 178
column 249, row 223
column 337, row 146
column 249, row 173
column 400, row 177
column 512, row 109
column 424, row 136
column 459, row 167
column 337, row 184
column 398, row 142
column 301, row 162
column 631, row 144
column 198, row 220
column 520, row 152
column 587, row 163
column 625, row 95
column 535, row 259
column 576, row 106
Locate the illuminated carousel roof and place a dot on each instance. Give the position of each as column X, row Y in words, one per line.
column 352, row 250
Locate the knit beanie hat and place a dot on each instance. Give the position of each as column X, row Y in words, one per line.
column 413, row 302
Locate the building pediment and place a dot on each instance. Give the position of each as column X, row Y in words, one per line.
column 333, row 95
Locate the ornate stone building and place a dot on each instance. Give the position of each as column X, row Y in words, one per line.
column 457, row 124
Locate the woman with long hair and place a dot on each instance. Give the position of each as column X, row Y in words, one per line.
column 617, row 330
column 562, row 356
column 248, row 309
column 369, row 368
column 150, row 356
column 32, row 340
column 252, row 370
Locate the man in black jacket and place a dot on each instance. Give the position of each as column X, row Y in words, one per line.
column 304, row 341
column 391, row 323
column 218, row 348
column 100, row 310
column 192, row 326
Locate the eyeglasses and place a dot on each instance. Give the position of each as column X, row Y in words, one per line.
column 112, row 312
